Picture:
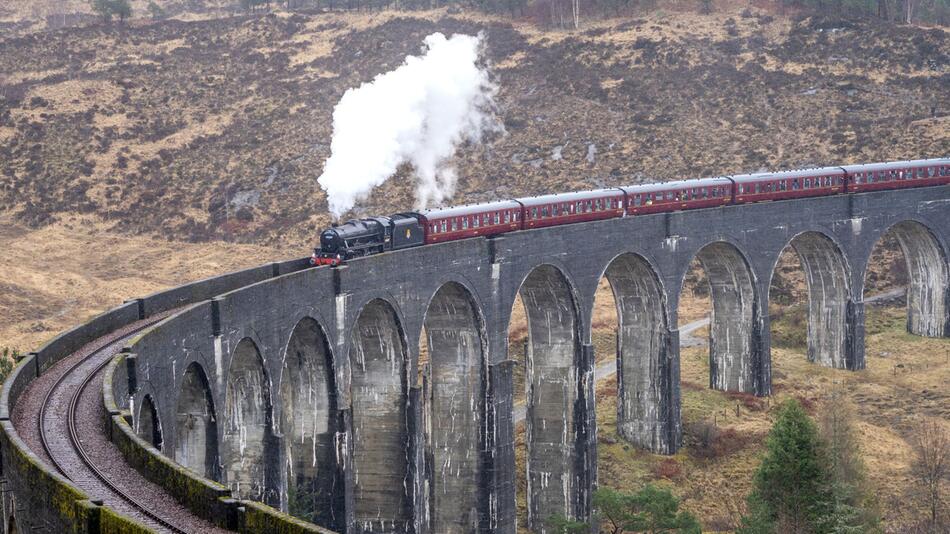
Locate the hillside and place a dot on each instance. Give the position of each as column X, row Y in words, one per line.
column 119, row 143
column 217, row 129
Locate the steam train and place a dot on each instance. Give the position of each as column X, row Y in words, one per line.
column 375, row 235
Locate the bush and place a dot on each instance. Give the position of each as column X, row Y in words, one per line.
column 112, row 8
column 747, row 400
column 156, row 11
column 8, row 358
column 651, row 509
column 708, row 442
column 667, row 468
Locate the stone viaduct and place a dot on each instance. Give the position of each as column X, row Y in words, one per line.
column 306, row 391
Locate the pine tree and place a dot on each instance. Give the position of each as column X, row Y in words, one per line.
column 792, row 488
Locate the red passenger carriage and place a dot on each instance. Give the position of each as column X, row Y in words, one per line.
column 786, row 185
column 680, row 195
column 460, row 222
column 566, row 208
column 897, row 175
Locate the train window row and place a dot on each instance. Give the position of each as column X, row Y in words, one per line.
column 563, row 209
column 794, row 184
column 473, row 221
column 696, row 193
column 871, row 177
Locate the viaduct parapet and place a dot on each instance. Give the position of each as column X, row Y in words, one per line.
column 306, row 389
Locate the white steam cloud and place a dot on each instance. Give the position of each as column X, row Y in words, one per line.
column 417, row 114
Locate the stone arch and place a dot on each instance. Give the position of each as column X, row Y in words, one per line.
column 552, row 386
column 929, row 290
column 456, row 344
column 308, row 424
column 379, row 391
column 643, row 346
column 829, row 298
column 733, row 323
column 148, row 425
column 247, row 422
column 196, row 429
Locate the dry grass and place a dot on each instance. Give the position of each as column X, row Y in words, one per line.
column 56, row 277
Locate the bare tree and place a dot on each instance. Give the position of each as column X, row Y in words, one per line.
column 931, row 466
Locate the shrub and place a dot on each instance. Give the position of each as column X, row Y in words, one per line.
column 8, row 358
column 667, row 468
column 708, row 442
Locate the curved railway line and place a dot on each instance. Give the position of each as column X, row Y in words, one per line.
column 67, row 430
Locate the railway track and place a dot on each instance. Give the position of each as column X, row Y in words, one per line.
column 69, row 378
column 68, row 431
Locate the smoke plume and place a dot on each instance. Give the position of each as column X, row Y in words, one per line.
column 418, row 113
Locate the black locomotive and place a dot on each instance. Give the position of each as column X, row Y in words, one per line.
column 362, row 237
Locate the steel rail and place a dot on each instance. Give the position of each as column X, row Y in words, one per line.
column 74, row 433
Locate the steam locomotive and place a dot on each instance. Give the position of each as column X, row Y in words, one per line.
column 375, row 235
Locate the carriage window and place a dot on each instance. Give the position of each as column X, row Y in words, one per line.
column 464, row 223
column 636, row 200
column 534, row 213
column 507, row 217
column 930, row 172
column 590, row 206
column 781, row 185
column 544, row 211
column 807, row 183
